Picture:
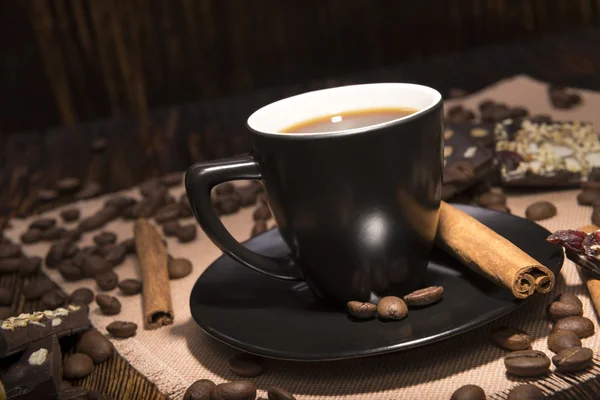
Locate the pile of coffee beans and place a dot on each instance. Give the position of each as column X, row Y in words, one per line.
column 205, row 389
column 540, row 210
column 395, row 308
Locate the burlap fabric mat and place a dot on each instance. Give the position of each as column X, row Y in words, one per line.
column 175, row 356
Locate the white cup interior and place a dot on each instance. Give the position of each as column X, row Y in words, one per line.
column 275, row 117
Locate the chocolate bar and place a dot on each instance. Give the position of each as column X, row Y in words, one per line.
column 557, row 154
column 480, row 133
column 465, row 162
column 16, row 333
column 37, row 374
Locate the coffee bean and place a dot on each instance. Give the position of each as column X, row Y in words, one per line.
column 5, row 297
column 47, row 194
column 262, row 212
column 262, row 198
column 43, row 224
column 573, row 359
column 510, row 338
column 172, row 179
column 527, row 363
column 247, row 195
column 541, row 118
column 148, row 206
column 277, row 393
column 461, row 171
column 6, row 312
column 392, row 307
column 199, row 390
column 82, row 296
column 179, row 268
column 424, row 297
column 94, row 265
column 151, row 187
column 525, row 392
column 11, row 265
column 361, row 310
column 561, row 340
column 518, row 112
column 120, row 202
column 91, row 189
column 186, row 233
column 69, row 271
column 540, row 210
column 31, row 236
column 54, row 299
column 129, row 245
column 259, row 227
column 56, row 253
column 563, row 306
column 68, row 184
column 105, row 238
column 587, row 197
column 499, row 207
column 96, row 346
column 117, row 255
column 30, row 266
column 171, row 228
column 107, row 280
column 122, row 329
column 228, row 204
column 129, row 213
column 184, row 210
column 167, row 213
column 108, row 305
column 9, row 250
column 581, row 326
column 492, row 198
column 486, row 104
column 130, row 287
column 468, row 392
column 38, row 288
column 72, row 250
column 224, row 188
column 71, row 235
column 236, row 390
column 92, row 222
column 77, row 366
column 107, row 249
column 246, row 365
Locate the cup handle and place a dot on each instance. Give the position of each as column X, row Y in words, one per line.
column 199, row 180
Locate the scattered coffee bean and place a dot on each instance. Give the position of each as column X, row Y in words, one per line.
column 510, row 338
column 71, row 235
column 167, row 213
column 68, row 184
column 581, row 326
column 81, row 296
column 96, row 346
column 91, row 189
column 186, row 233
column 69, row 271
column 30, row 266
column 172, row 179
column 247, row 195
column 122, row 329
column 587, row 197
column 573, row 359
column 184, row 210
column 53, row 299
column 92, row 222
column 77, row 366
column 392, row 307
column 47, row 194
column 129, row 245
column 224, row 188
column 565, row 305
column 9, row 250
column 56, row 253
column 199, row 390
column 541, row 118
column 6, row 312
column 107, row 280
column 31, row 236
column 179, row 268
column 151, row 187
column 424, row 297
column 38, row 288
column 120, row 202
column 561, row 340
column 499, row 207
column 117, row 255
column 277, row 393
column 5, row 297
column 259, row 227
column 525, row 392
column 518, row 112
column 11, row 265
column 492, row 198
column 94, row 265
column 171, row 228
column 527, row 363
column 246, row 365
column 361, row 310
column 228, row 204
column 262, row 212
column 262, row 198
column 130, row 287
column 107, row 249
column 468, row 392
column 109, row 305
column 236, row 390
column 540, row 210
column 105, row 238
column 43, row 224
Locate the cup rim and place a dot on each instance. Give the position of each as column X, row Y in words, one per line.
column 251, row 120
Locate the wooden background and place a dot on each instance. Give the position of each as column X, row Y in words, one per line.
column 71, row 61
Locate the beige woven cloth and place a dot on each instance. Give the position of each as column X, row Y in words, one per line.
column 175, row 356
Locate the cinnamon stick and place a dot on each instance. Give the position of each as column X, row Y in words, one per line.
column 152, row 253
column 491, row 255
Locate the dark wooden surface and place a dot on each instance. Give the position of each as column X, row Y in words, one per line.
column 71, row 61
column 171, row 139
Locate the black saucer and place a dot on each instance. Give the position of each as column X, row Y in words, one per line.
column 282, row 319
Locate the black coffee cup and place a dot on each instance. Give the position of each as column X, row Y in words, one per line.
column 357, row 208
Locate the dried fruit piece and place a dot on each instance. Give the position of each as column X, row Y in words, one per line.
column 591, row 244
column 570, row 239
